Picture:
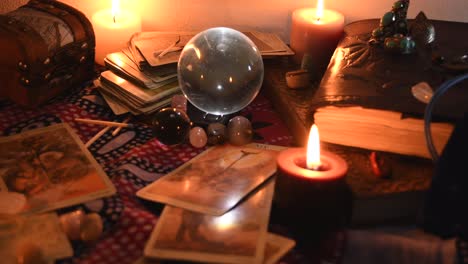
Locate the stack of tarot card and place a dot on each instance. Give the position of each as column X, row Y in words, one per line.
column 128, row 88
column 217, row 208
column 154, row 49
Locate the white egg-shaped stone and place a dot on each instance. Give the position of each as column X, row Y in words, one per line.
column 71, row 223
column 92, row 227
column 12, row 202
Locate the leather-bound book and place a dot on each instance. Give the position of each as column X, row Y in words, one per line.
column 366, row 100
column 368, row 79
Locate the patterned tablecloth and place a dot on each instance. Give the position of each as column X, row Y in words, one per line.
column 132, row 159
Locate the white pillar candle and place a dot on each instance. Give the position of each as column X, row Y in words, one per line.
column 316, row 32
column 113, row 29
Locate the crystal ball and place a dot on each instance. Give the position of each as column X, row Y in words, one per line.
column 220, row 71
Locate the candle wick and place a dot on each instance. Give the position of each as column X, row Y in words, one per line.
column 318, row 19
column 114, row 18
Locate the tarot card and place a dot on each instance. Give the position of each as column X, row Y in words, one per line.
column 276, row 247
column 152, row 44
column 43, row 231
column 119, row 62
column 52, row 168
column 216, row 180
column 238, row 236
column 130, row 90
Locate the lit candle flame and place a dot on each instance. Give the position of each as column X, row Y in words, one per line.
column 115, row 9
column 319, row 10
column 313, row 149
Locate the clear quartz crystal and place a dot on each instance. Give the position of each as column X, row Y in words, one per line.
column 422, row 91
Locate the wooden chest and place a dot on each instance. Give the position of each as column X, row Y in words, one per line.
column 47, row 48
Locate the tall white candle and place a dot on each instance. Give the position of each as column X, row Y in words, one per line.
column 316, row 32
column 113, row 28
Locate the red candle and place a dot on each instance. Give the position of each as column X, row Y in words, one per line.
column 316, row 32
column 310, row 186
column 292, row 162
column 311, row 165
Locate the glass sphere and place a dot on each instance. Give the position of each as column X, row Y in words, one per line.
column 220, row 71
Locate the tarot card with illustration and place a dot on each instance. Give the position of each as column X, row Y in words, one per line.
column 238, row 236
column 276, row 247
column 52, row 168
column 42, row 230
column 216, row 180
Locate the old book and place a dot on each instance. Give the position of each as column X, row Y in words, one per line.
column 365, row 97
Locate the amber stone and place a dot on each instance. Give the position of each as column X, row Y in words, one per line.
column 92, row 227
column 171, row 126
column 198, row 137
column 239, row 131
column 71, row 223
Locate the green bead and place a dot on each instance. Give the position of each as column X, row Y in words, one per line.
column 407, row 45
column 387, row 19
column 390, row 43
column 377, row 33
column 398, row 5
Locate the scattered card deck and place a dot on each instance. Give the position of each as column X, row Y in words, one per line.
column 216, row 180
column 238, row 236
column 52, row 168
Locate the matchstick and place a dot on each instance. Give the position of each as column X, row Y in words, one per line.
column 97, row 136
column 165, row 51
column 117, row 130
column 104, row 123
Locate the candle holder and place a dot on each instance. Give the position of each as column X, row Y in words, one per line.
column 311, row 203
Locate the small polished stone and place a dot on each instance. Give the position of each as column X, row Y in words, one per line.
column 380, row 166
column 171, row 126
column 30, row 253
column 387, row 19
column 197, row 137
column 71, row 223
column 407, row 45
column 180, row 102
column 377, row 33
column 398, row 5
column 11, row 202
column 92, row 227
column 239, row 131
column 423, row 92
column 216, row 133
column 392, row 44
